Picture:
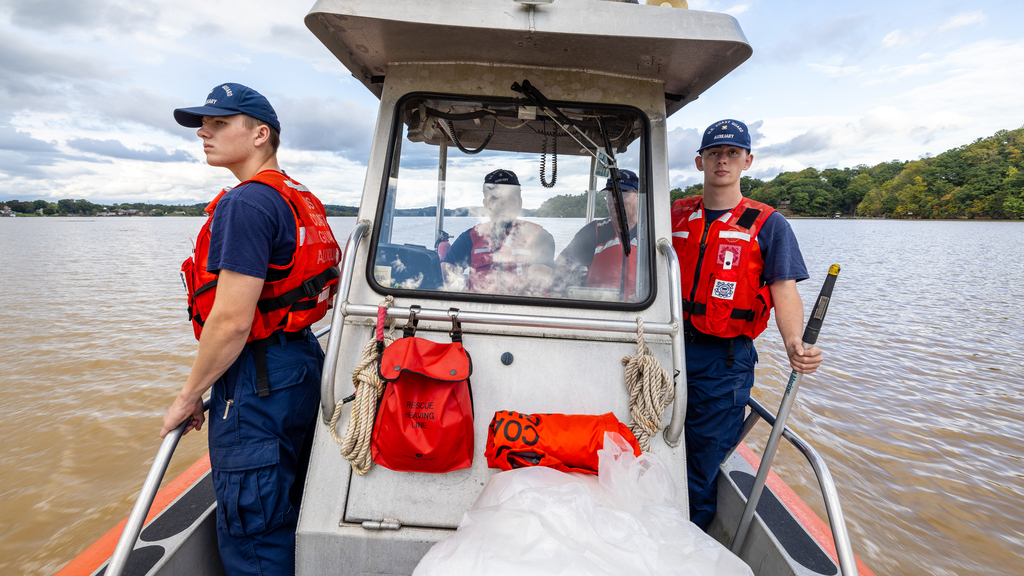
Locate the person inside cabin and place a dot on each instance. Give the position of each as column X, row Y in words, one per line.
column 739, row 258
column 504, row 255
column 595, row 258
column 262, row 271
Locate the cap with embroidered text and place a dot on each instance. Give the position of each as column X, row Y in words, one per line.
column 628, row 180
column 227, row 100
column 726, row 133
column 502, row 177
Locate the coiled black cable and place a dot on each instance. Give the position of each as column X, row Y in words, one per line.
column 554, row 160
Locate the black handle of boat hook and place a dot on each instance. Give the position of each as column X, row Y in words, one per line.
column 809, row 338
column 820, row 307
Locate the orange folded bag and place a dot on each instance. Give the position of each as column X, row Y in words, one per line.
column 566, row 442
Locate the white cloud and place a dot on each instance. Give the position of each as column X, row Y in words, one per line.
column 834, row 70
column 961, row 20
column 737, row 9
column 895, row 38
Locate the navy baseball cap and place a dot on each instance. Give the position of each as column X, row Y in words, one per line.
column 502, row 177
column 227, row 100
column 627, row 181
column 726, row 133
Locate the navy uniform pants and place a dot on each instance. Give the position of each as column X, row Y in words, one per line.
column 255, row 454
column 716, row 395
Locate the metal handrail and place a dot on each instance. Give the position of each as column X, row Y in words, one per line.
column 840, row 535
column 133, row 527
column 343, row 309
column 520, row 320
column 338, row 320
column 675, row 296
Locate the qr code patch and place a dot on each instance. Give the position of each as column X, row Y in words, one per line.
column 724, row 290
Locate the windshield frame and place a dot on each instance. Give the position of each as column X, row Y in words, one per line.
column 397, row 130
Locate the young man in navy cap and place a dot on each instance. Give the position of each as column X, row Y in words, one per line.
column 595, row 258
column 505, row 255
column 262, row 272
column 739, row 258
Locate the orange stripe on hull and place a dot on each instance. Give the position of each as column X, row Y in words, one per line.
column 100, row 551
column 814, row 525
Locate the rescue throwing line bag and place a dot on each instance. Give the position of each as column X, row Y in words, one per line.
column 566, row 442
column 425, row 419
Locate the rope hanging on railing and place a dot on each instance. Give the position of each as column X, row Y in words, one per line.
column 650, row 390
column 355, row 446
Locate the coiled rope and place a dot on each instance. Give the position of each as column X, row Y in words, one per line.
column 355, row 446
column 650, row 390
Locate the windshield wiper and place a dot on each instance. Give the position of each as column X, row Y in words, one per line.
column 544, row 105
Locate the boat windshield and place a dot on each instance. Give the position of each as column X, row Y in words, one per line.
column 527, row 212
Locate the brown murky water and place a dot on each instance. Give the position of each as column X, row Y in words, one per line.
column 917, row 410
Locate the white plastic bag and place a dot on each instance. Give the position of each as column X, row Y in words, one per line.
column 541, row 521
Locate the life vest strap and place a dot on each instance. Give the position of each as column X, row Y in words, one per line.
column 699, row 309
column 696, row 337
column 259, row 348
column 205, row 287
column 309, row 289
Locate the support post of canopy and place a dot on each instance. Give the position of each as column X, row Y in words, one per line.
column 592, row 190
column 442, row 178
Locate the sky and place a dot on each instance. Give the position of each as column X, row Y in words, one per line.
column 87, row 89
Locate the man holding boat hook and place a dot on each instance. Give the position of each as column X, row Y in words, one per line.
column 739, row 258
column 263, row 271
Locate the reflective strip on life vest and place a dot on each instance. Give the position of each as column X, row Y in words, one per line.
column 294, row 186
column 734, row 235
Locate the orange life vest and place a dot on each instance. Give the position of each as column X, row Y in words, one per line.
column 723, row 292
column 502, row 269
column 608, row 268
column 294, row 295
column 566, row 442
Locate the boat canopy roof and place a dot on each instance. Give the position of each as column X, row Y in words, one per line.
column 686, row 50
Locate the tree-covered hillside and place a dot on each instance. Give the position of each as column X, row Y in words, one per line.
column 979, row 180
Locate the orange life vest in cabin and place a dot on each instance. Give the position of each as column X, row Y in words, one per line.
column 609, row 269
column 294, row 295
column 501, row 268
column 722, row 266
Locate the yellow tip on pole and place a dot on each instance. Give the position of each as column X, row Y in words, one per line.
column 833, row 270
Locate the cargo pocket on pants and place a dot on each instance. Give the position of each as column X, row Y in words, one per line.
column 247, row 481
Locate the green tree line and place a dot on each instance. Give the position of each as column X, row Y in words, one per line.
column 978, row 180
column 984, row 179
column 72, row 207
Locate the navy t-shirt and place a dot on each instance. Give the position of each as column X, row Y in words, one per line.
column 253, row 226
column 779, row 248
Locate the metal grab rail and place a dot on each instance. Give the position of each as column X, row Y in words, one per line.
column 338, row 319
column 523, row 320
column 840, row 536
column 675, row 295
column 133, row 527
column 343, row 309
